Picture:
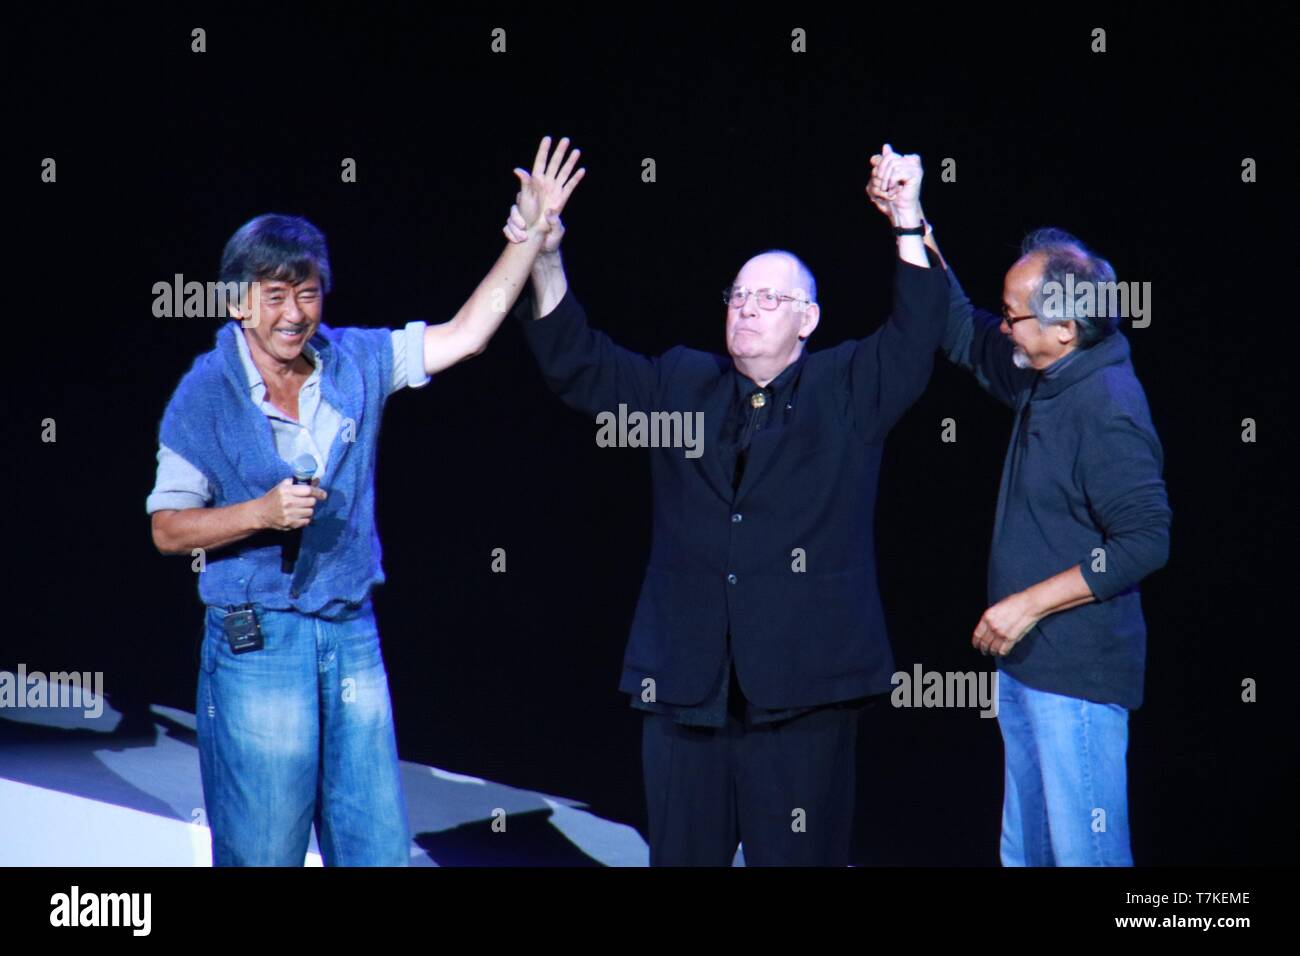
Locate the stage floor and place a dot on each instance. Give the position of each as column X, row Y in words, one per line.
column 78, row 792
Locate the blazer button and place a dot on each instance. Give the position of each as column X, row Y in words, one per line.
column 737, row 518
column 731, row 579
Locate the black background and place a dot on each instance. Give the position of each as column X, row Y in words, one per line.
column 163, row 153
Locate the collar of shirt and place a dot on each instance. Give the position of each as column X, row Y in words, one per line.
column 256, row 386
column 1064, row 361
column 746, row 387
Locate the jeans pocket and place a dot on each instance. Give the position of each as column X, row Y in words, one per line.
column 212, row 632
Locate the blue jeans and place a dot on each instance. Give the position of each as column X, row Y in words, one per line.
column 300, row 733
column 1066, row 794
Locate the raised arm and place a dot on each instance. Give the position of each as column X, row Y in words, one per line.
column 972, row 337
column 583, row 366
column 542, row 196
column 889, row 369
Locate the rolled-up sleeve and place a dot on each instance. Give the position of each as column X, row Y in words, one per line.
column 177, row 485
column 408, row 357
column 1121, row 470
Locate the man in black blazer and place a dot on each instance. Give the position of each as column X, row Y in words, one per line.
column 759, row 633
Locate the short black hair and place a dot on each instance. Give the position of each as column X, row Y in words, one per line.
column 274, row 246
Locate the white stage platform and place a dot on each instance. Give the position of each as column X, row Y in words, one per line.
column 76, row 792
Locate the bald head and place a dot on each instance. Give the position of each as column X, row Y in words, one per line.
column 764, row 341
column 795, row 277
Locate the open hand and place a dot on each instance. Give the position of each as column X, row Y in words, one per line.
column 543, row 193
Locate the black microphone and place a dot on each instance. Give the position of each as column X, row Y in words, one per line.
column 304, row 468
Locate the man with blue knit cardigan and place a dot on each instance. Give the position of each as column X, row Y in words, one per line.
column 294, row 720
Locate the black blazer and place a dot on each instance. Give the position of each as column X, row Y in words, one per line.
column 724, row 560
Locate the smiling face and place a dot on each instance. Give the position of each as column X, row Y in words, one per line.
column 285, row 316
column 766, row 338
column 1036, row 346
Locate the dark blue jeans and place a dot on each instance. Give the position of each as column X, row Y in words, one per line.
column 300, row 733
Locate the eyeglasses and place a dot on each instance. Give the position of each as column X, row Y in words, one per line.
column 768, row 299
column 1013, row 319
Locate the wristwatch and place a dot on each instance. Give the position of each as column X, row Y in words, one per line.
column 910, row 230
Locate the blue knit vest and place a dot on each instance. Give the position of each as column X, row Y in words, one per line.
column 211, row 421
